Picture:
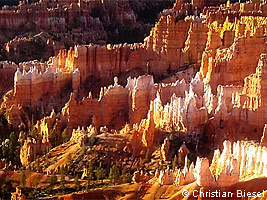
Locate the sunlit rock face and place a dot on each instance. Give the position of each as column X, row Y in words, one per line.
column 176, row 176
column 263, row 138
column 223, row 171
column 18, row 195
column 238, row 161
column 188, row 111
column 32, row 148
column 142, row 91
column 226, row 64
column 107, row 61
column 102, row 110
column 31, row 87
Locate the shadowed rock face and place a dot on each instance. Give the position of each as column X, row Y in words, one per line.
column 37, row 31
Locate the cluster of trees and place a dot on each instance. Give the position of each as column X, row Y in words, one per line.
column 177, row 162
column 113, row 174
column 10, row 150
column 56, row 139
column 5, row 188
column 94, row 173
column 54, row 180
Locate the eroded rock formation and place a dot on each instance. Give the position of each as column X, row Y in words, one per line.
column 32, row 148
column 236, row 162
column 212, row 67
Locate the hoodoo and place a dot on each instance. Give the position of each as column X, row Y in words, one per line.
column 133, row 99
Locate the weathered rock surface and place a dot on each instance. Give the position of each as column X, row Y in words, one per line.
column 31, row 148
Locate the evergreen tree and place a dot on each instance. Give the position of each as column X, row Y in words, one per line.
column 22, row 179
column 42, row 60
column 1, row 153
column 171, row 137
column 16, row 157
column 147, row 158
column 69, row 159
column 114, row 173
column 33, row 133
column 76, row 184
column 53, row 179
column 62, row 177
column 83, row 150
column 91, row 170
column 92, row 139
column 52, row 137
column 46, row 161
column 100, row 173
column 5, row 151
column 37, row 164
column 6, row 188
column 180, row 161
column 64, row 136
column 127, row 178
column 87, row 184
column 174, row 162
column 188, row 163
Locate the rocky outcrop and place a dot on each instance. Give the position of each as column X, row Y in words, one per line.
column 142, row 91
column 140, row 177
column 32, row 148
column 100, row 111
column 240, row 160
column 230, row 65
column 263, row 141
column 177, row 176
column 227, row 171
column 80, row 134
column 18, row 195
column 253, row 99
column 180, row 114
column 31, row 88
column 165, row 148
column 186, row 113
column 244, row 160
column 7, row 71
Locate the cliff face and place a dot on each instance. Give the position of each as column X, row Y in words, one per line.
column 7, row 71
column 229, row 65
column 27, row 86
column 225, row 46
column 159, row 54
column 101, row 111
column 185, row 113
column 39, row 30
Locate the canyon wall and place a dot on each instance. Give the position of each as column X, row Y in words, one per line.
column 159, row 54
column 227, row 51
